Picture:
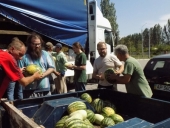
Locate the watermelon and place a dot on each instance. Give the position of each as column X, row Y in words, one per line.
column 90, row 115
column 68, row 64
column 77, row 105
column 86, row 97
column 107, row 111
column 117, row 118
column 106, row 122
column 70, row 122
column 109, row 104
column 75, row 116
column 83, row 113
column 98, row 104
column 54, row 58
column 60, row 124
column 31, row 69
column 107, row 73
column 98, row 118
column 86, row 121
column 65, row 117
column 79, row 125
column 76, row 123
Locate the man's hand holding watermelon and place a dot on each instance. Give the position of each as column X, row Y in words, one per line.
column 38, row 75
column 111, row 74
column 100, row 76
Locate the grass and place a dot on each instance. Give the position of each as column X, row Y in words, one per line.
column 141, row 57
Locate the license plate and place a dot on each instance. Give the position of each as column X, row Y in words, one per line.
column 162, row 87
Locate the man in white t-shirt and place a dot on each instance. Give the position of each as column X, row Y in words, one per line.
column 103, row 62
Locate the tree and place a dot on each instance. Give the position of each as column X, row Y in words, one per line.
column 166, row 33
column 109, row 12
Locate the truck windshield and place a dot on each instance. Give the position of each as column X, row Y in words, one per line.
column 109, row 38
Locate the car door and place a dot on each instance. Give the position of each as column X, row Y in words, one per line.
column 157, row 72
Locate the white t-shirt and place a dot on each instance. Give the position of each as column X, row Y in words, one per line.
column 101, row 64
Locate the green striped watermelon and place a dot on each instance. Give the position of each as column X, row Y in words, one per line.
column 65, row 117
column 98, row 104
column 117, row 118
column 60, row 123
column 90, row 115
column 80, row 125
column 75, row 123
column 107, row 73
column 107, row 111
column 77, row 105
column 86, row 121
column 109, row 104
column 69, row 123
column 86, row 97
column 106, row 122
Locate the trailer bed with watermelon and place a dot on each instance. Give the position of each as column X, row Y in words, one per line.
column 138, row 112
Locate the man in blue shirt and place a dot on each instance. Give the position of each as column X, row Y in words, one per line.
column 35, row 55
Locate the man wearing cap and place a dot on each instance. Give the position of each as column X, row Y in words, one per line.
column 49, row 48
column 60, row 69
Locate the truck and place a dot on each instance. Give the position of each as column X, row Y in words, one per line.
column 64, row 21
column 138, row 112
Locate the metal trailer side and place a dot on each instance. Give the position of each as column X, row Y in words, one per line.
column 153, row 113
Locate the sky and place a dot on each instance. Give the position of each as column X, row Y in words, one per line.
column 133, row 16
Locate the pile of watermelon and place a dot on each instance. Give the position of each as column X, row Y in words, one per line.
column 79, row 116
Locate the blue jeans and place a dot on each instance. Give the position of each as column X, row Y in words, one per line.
column 14, row 90
column 79, row 86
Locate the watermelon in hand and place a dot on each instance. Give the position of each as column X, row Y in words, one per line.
column 31, row 69
column 107, row 73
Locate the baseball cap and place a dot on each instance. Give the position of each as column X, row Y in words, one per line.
column 58, row 45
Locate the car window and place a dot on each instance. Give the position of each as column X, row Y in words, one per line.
column 157, row 68
column 159, row 65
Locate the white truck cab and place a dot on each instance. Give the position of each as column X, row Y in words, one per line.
column 99, row 30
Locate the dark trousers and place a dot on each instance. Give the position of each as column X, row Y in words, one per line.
column 112, row 87
column 79, row 86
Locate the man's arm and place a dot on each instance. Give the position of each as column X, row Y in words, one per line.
column 122, row 79
column 72, row 67
column 82, row 67
column 48, row 71
column 98, row 76
column 24, row 81
column 121, row 68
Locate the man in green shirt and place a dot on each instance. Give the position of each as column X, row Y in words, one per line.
column 61, row 59
column 79, row 68
column 133, row 76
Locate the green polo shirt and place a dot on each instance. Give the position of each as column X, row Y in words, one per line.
column 60, row 61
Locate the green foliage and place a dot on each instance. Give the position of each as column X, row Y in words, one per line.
column 156, row 37
column 160, row 49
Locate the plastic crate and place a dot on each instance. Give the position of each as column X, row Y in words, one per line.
column 51, row 111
